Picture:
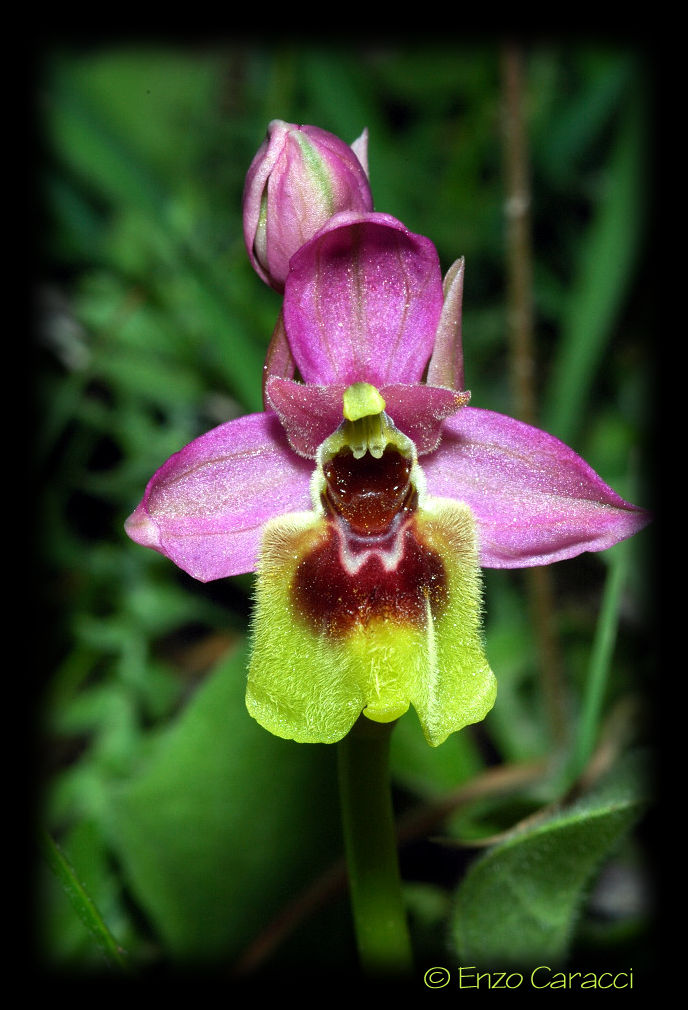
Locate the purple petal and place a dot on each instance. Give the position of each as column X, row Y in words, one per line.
column 278, row 359
column 534, row 499
column 446, row 363
column 362, row 302
column 309, row 414
column 419, row 411
column 205, row 507
column 257, row 177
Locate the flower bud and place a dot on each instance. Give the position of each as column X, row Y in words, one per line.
column 299, row 178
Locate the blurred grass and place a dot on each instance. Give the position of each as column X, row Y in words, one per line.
column 153, row 328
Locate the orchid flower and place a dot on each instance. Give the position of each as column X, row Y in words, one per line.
column 367, row 498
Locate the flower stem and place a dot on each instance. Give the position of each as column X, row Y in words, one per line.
column 380, row 924
column 521, row 330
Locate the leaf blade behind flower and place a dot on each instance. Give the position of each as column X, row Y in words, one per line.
column 195, row 830
column 519, row 902
column 605, row 271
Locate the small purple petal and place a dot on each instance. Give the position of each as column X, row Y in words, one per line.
column 419, row 411
column 255, row 185
column 362, row 302
column 309, row 414
column 206, row 506
column 446, row 363
column 534, row 499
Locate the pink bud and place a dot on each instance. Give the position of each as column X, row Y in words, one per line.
column 299, row 178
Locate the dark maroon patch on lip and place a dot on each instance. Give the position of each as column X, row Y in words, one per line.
column 371, row 504
column 368, row 493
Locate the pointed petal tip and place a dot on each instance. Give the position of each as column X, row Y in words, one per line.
column 360, row 149
column 632, row 520
column 140, row 528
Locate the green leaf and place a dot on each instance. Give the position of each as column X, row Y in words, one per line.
column 602, row 283
column 572, row 120
column 518, row 904
column 223, row 823
column 123, row 117
column 431, row 771
column 83, row 904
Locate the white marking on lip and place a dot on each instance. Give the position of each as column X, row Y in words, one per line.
column 355, row 550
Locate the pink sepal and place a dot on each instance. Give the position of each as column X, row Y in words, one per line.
column 362, row 302
column 534, row 499
column 206, row 506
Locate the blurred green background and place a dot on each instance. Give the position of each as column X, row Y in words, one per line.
column 189, row 827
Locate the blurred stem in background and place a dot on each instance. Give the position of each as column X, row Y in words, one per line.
column 520, row 327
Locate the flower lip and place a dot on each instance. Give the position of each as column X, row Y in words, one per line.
column 369, row 491
column 340, row 631
column 334, row 602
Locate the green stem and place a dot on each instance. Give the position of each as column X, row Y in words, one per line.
column 382, row 934
column 600, row 660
